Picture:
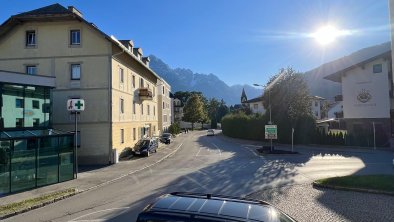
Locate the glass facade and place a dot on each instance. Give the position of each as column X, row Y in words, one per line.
column 24, row 106
column 31, row 154
column 31, row 162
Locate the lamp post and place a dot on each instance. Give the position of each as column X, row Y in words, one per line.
column 269, row 105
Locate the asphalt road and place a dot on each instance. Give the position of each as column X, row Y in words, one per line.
column 213, row 165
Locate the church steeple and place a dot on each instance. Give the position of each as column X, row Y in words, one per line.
column 243, row 96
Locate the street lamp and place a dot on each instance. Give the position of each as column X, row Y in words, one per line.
column 269, row 105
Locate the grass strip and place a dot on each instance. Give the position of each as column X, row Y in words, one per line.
column 33, row 202
column 370, row 182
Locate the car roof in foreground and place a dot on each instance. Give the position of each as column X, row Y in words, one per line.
column 218, row 207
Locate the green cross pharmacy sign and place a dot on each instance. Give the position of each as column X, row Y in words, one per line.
column 271, row 132
column 76, row 105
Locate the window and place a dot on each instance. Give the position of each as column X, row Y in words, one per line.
column 163, row 90
column 141, row 83
column 121, row 106
column 133, row 107
column 121, row 76
column 255, row 106
column 163, row 105
column 316, row 104
column 75, row 37
column 142, row 109
column 133, row 81
column 316, row 114
column 31, row 38
column 36, row 104
column 134, row 134
column 19, row 122
column 121, row 135
column 36, row 122
column 154, row 110
column 75, row 71
column 19, row 103
column 31, row 70
column 148, row 109
column 377, row 68
column 165, row 118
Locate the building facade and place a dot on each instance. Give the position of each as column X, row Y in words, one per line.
column 316, row 106
column 112, row 76
column 178, row 110
column 165, row 101
column 32, row 154
column 367, row 92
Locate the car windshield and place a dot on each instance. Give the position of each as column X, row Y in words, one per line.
column 166, row 135
column 143, row 143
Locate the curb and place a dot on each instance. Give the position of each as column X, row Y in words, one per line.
column 5, row 216
column 361, row 190
column 88, row 189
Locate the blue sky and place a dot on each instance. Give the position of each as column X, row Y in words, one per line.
column 240, row 41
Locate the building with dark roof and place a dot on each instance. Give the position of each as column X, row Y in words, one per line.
column 112, row 76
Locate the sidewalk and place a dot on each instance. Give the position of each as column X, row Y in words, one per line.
column 100, row 176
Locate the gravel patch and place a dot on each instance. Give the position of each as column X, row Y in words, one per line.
column 305, row 203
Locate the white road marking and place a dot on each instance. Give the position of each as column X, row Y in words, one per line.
column 198, row 151
column 220, row 152
column 77, row 219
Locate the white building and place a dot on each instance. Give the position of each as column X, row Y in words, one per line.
column 316, row 106
column 255, row 105
column 165, row 105
column 367, row 84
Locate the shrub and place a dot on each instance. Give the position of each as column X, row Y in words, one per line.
column 174, row 129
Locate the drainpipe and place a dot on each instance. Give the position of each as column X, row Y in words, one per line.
column 110, row 102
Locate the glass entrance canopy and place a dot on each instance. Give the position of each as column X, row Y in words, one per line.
column 34, row 158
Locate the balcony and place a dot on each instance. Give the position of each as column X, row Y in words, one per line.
column 145, row 94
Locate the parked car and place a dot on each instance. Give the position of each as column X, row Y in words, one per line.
column 166, row 138
column 210, row 132
column 207, row 207
column 146, row 146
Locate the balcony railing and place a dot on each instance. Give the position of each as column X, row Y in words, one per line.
column 145, row 94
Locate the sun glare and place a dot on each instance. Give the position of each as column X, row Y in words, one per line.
column 328, row 34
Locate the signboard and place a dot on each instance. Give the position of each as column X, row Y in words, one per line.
column 271, row 132
column 75, row 105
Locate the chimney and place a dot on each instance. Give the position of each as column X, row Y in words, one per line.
column 75, row 11
column 146, row 60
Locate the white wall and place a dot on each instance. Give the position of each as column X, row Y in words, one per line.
column 362, row 79
column 260, row 107
column 335, row 109
column 316, row 108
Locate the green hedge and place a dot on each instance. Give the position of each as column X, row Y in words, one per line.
column 252, row 127
column 244, row 126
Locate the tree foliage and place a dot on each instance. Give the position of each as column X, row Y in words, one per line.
column 194, row 110
column 289, row 96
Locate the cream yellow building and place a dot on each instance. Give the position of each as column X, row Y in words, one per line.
column 164, row 100
column 113, row 77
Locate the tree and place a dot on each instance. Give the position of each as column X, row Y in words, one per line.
column 288, row 94
column 213, row 107
column 194, row 110
column 222, row 110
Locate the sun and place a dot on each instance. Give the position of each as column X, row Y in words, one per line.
column 326, row 34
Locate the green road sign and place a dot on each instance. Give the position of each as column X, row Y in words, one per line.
column 271, row 132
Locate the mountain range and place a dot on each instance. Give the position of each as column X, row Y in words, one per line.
column 210, row 85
